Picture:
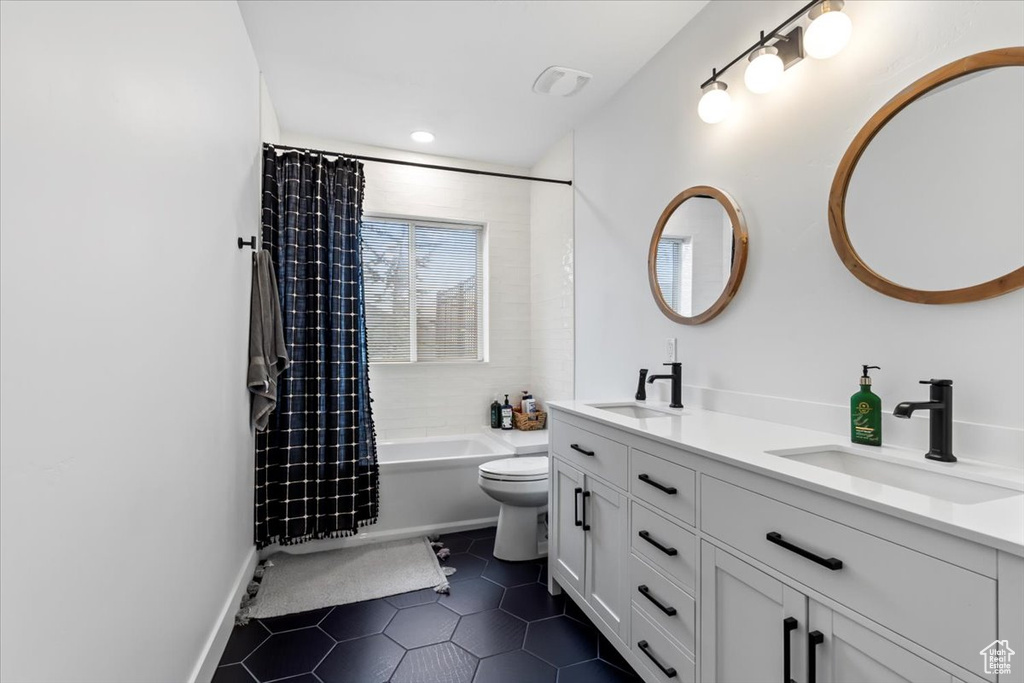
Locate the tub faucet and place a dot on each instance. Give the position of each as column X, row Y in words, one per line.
column 677, row 384
column 940, row 440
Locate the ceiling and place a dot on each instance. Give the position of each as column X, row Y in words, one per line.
column 373, row 72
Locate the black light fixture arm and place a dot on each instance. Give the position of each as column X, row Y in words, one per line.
column 771, row 35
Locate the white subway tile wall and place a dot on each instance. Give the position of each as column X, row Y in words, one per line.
column 413, row 400
column 551, row 275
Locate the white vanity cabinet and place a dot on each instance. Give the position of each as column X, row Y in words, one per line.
column 699, row 570
column 588, row 532
column 756, row 628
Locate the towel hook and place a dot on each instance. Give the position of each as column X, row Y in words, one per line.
column 251, row 242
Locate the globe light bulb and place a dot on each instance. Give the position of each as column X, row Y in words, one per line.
column 829, row 31
column 764, row 72
column 715, row 104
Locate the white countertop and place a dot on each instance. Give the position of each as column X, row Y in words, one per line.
column 743, row 442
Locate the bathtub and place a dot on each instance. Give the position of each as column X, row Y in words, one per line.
column 427, row 486
column 439, row 451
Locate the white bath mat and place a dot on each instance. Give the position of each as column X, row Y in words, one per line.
column 298, row 583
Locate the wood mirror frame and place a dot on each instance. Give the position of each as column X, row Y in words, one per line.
column 1012, row 56
column 739, row 260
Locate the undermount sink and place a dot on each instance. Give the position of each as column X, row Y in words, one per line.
column 909, row 477
column 632, row 410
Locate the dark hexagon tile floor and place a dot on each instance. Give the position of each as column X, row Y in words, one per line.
column 490, row 633
column 422, row 625
column 498, row 625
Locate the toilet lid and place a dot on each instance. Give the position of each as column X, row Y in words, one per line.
column 516, row 468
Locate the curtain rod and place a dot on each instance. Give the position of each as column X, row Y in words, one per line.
column 436, row 167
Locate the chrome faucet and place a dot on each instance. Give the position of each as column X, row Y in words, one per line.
column 677, row 384
column 940, row 440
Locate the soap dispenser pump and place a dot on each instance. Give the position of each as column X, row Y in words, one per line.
column 866, row 412
column 506, row 414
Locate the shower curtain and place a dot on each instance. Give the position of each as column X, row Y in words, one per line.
column 316, row 464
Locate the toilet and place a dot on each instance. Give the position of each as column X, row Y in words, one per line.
column 521, row 486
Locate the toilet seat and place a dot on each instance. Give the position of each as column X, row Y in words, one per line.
column 516, row 469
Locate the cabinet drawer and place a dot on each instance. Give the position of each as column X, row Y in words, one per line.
column 664, row 544
column 657, row 652
column 665, row 603
column 590, row 452
column 650, row 476
column 936, row 604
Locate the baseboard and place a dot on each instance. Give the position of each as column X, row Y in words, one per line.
column 370, row 536
column 206, row 665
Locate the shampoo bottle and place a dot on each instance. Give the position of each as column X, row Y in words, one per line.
column 506, row 414
column 495, row 414
column 529, row 405
column 866, row 413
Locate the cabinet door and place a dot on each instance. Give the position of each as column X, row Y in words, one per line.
column 748, row 622
column 566, row 551
column 851, row 653
column 607, row 551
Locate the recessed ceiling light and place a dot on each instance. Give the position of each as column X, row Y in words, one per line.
column 422, row 136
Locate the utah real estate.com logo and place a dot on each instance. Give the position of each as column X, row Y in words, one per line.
column 997, row 657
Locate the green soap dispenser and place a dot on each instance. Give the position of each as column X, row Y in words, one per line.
column 866, row 413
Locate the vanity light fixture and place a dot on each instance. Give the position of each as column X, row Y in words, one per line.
column 829, row 31
column 422, row 136
column 776, row 51
column 764, row 73
column 716, row 103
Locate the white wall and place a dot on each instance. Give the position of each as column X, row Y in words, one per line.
column 428, row 399
column 790, row 345
column 551, row 276
column 270, row 127
column 130, row 148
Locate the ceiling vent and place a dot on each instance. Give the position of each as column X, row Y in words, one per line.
column 561, row 81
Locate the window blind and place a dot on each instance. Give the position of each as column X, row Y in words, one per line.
column 386, row 290
column 667, row 271
column 674, row 271
column 424, row 291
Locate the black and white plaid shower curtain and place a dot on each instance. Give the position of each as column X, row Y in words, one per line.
column 316, row 464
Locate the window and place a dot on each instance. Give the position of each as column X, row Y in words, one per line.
column 675, row 272
column 424, row 290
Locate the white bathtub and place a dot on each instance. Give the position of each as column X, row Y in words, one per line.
column 440, row 451
column 430, row 486
column 427, row 486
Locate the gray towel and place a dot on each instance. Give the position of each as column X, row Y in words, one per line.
column 268, row 357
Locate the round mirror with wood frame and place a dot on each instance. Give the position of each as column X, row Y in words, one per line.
column 837, row 204
column 698, row 254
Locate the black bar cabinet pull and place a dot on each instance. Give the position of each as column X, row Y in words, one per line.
column 646, row 592
column 584, row 451
column 827, row 562
column 576, row 506
column 586, row 494
column 788, row 624
column 814, row 638
column 670, row 490
column 645, row 648
column 646, row 535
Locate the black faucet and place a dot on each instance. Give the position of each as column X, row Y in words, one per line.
column 940, row 441
column 641, row 390
column 677, row 384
